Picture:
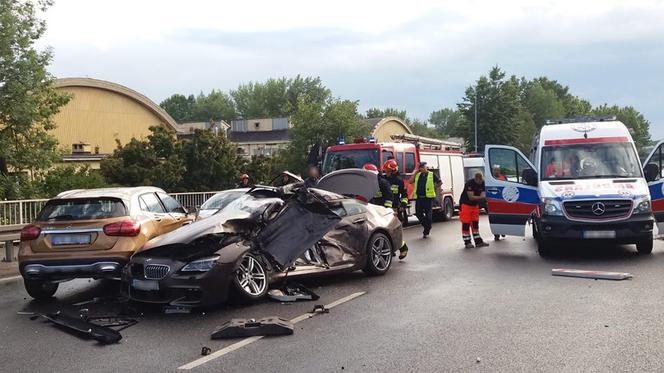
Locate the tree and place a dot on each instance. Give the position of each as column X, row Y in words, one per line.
column 60, row 179
column 387, row 112
column 445, row 121
column 211, row 162
column 29, row 99
column 179, row 107
column 638, row 125
column 212, row 107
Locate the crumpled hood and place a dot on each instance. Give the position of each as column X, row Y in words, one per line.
column 593, row 188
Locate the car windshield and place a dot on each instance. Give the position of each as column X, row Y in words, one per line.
column 355, row 158
column 82, row 209
column 221, row 200
column 589, row 161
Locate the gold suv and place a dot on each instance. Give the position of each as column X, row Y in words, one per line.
column 92, row 233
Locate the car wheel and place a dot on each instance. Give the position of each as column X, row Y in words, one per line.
column 379, row 258
column 39, row 289
column 544, row 248
column 250, row 280
column 644, row 247
column 534, row 227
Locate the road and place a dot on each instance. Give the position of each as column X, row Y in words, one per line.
column 443, row 309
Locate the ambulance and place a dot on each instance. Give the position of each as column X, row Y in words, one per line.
column 582, row 181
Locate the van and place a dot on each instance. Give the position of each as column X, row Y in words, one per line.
column 583, row 181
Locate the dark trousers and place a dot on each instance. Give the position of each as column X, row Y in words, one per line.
column 423, row 212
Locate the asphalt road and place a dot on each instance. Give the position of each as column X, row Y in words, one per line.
column 442, row 309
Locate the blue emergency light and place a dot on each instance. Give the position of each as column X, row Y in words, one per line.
column 341, row 140
column 372, row 140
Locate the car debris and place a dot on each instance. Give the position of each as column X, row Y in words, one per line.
column 205, row 351
column 598, row 275
column 320, row 308
column 84, row 326
column 291, row 292
column 239, row 328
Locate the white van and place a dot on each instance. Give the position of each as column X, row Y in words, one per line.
column 585, row 182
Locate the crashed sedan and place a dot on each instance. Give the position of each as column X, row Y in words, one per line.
column 264, row 236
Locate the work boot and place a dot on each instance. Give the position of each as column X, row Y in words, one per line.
column 403, row 252
column 469, row 245
column 496, row 237
column 481, row 244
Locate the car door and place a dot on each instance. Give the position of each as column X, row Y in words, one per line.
column 347, row 241
column 512, row 194
column 177, row 213
column 152, row 206
column 655, row 177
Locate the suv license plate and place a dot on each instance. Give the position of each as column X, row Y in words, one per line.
column 70, row 239
column 599, row 234
column 145, row 285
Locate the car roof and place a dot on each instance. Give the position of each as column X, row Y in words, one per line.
column 124, row 193
column 576, row 130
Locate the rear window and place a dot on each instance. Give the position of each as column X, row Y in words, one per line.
column 82, row 209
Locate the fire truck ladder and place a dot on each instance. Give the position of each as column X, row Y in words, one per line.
column 426, row 142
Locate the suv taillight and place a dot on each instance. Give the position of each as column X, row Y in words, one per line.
column 30, row 232
column 125, row 228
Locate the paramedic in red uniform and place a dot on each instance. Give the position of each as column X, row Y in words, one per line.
column 473, row 194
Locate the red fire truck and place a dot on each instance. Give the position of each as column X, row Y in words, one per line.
column 443, row 157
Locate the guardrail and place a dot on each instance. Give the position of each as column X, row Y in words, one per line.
column 15, row 214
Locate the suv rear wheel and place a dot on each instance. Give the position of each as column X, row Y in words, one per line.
column 39, row 289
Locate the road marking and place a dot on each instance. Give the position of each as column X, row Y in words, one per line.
column 7, row 279
column 250, row 340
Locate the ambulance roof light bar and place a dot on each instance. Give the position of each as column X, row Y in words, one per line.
column 584, row 119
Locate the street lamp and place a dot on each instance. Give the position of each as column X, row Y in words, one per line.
column 475, row 119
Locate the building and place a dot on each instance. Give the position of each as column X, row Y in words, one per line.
column 259, row 136
column 186, row 130
column 99, row 114
column 383, row 128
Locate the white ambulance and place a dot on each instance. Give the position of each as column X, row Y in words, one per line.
column 584, row 181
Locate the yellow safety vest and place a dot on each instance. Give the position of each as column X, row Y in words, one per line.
column 430, row 188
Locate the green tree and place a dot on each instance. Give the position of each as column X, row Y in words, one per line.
column 387, row 112
column 638, row 125
column 211, row 162
column 445, row 121
column 60, row 179
column 29, row 99
column 262, row 169
column 214, row 106
column 179, row 107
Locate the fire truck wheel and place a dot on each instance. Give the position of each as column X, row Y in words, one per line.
column 448, row 209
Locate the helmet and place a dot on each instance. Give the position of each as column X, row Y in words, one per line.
column 391, row 166
column 244, row 176
column 370, row 167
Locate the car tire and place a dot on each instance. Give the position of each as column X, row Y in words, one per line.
column 448, row 209
column 535, row 229
column 544, row 248
column 379, row 255
column 644, row 247
column 39, row 289
column 252, row 279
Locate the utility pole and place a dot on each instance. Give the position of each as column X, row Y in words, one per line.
column 475, row 119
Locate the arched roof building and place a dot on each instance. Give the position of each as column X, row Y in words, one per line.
column 385, row 127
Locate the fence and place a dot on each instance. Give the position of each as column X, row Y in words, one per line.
column 25, row 211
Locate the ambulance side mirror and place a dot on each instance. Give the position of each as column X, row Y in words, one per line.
column 651, row 172
column 529, row 176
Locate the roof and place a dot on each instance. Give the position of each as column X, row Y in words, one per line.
column 189, row 127
column 120, row 193
column 258, row 136
column 594, row 130
column 122, row 90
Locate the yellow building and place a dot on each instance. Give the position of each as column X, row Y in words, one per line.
column 383, row 128
column 98, row 114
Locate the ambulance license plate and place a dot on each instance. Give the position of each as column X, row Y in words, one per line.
column 599, row 234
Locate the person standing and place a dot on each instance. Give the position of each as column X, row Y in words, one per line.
column 424, row 192
column 399, row 197
column 314, row 176
column 383, row 196
column 474, row 192
column 244, row 181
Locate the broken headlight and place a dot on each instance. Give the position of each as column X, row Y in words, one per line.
column 551, row 207
column 201, row 265
column 642, row 205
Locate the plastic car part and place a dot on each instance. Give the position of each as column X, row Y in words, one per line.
column 320, row 308
column 291, row 292
column 238, row 328
column 81, row 326
column 205, row 351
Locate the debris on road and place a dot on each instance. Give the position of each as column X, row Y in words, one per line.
column 205, row 351
column 82, row 326
column 291, row 292
column 320, row 308
column 238, row 328
column 601, row 275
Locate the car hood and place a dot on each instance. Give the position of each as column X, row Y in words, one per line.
column 594, row 188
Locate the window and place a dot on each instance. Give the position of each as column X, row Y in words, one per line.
column 171, row 204
column 656, row 159
column 590, row 161
column 150, row 202
column 400, row 162
column 355, row 158
column 508, row 165
column 82, row 209
column 387, row 155
column 410, row 162
column 353, row 207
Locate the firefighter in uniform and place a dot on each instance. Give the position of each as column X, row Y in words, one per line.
column 399, row 196
column 383, row 196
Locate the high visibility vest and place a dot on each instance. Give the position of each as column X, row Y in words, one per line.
column 430, row 188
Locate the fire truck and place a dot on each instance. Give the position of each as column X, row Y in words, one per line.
column 442, row 157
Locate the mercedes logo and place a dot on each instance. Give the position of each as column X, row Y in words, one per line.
column 598, row 208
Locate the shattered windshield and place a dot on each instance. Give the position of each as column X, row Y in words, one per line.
column 589, row 161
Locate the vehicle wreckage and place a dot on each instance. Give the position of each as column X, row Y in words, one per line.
column 266, row 235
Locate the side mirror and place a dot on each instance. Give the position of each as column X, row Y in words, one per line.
column 651, row 172
column 529, row 176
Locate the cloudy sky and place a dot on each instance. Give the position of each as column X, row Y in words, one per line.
column 413, row 55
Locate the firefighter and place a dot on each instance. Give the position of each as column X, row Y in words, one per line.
column 473, row 194
column 244, row 181
column 383, row 196
column 424, row 192
column 399, row 196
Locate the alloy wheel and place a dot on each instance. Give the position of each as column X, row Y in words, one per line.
column 381, row 253
column 251, row 276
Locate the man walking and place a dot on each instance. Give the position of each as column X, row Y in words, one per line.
column 473, row 193
column 424, row 192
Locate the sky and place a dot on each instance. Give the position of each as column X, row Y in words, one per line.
column 412, row 55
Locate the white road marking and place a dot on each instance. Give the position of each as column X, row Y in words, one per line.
column 250, row 340
column 8, row 279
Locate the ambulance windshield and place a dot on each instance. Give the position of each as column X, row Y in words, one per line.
column 590, row 161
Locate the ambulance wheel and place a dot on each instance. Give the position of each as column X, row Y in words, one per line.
column 644, row 247
column 447, row 209
column 544, row 248
column 535, row 229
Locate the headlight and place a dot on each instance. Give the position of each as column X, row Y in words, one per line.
column 643, row 205
column 201, row 265
column 551, row 207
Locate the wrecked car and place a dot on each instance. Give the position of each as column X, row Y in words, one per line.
column 266, row 235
